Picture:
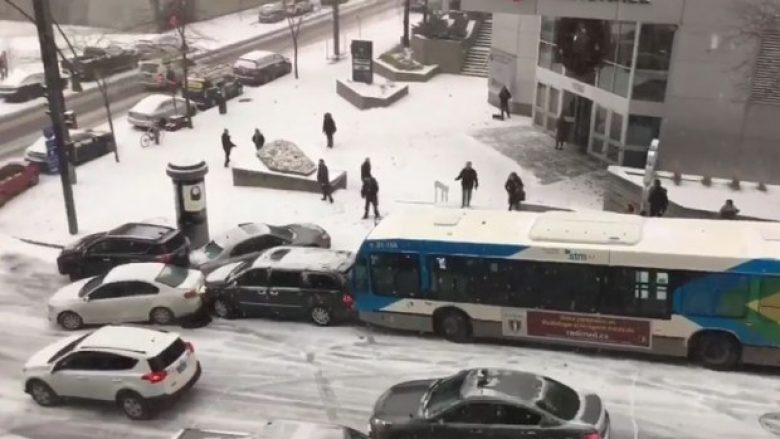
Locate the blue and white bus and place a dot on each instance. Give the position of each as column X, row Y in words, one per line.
column 705, row 289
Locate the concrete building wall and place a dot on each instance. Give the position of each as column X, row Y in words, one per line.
column 514, row 52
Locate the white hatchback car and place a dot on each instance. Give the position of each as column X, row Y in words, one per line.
column 129, row 293
column 138, row 368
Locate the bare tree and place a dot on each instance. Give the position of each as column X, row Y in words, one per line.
column 407, row 10
column 294, row 24
column 179, row 17
column 758, row 22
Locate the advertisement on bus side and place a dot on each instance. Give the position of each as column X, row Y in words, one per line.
column 589, row 328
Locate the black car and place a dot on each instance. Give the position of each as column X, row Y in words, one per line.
column 204, row 84
column 488, row 403
column 24, row 87
column 87, row 145
column 291, row 282
column 260, row 67
column 133, row 242
column 97, row 62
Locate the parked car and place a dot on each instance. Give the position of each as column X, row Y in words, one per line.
column 162, row 73
column 260, row 67
column 23, row 86
column 87, row 145
column 206, row 82
column 300, row 7
column 488, row 403
column 150, row 50
column 272, row 12
column 154, row 108
column 247, row 241
column 150, row 291
column 138, row 369
column 16, row 178
column 331, row 2
column 278, row 429
column 101, row 62
column 292, row 282
column 98, row 253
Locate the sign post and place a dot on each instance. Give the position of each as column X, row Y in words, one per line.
column 363, row 61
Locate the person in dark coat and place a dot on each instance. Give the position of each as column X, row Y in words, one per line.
column 329, row 128
column 729, row 211
column 515, row 191
column 221, row 102
column 468, row 182
column 504, row 96
column 323, row 178
column 227, row 145
column 561, row 133
column 365, row 169
column 658, row 199
column 258, row 139
column 370, row 192
column 3, row 65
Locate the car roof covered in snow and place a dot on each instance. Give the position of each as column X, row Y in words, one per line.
column 506, row 385
column 129, row 339
column 256, row 55
column 139, row 271
column 304, row 258
column 18, row 75
column 151, row 103
column 602, row 238
column 143, row 231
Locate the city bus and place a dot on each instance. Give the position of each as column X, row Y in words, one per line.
column 704, row 289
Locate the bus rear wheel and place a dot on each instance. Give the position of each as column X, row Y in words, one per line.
column 717, row 351
column 453, row 325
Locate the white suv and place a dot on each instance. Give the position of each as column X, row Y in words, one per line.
column 138, row 368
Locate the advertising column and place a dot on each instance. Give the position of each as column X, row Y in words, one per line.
column 190, row 197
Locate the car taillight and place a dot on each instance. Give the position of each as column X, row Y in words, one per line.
column 189, row 347
column 164, row 258
column 155, row 377
column 348, row 301
column 191, row 294
column 591, row 436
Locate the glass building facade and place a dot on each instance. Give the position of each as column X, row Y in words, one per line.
column 634, row 68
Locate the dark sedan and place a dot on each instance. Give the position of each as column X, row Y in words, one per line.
column 87, row 145
column 494, row 403
column 248, row 240
column 21, row 87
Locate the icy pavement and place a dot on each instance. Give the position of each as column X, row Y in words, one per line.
column 260, row 369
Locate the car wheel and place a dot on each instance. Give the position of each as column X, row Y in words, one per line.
column 223, row 309
column 320, row 315
column 454, row 326
column 717, row 351
column 134, row 406
column 161, row 316
column 70, row 320
column 42, row 394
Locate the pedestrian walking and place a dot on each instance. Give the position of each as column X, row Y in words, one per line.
column 227, row 145
column 630, row 209
column 370, row 193
column 729, row 211
column 329, row 128
column 365, row 169
column 658, row 199
column 258, row 139
column 515, row 191
column 468, row 182
column 561, row 133
column 3, row 65
column 323, row 178
column 221, row 102
column 504, row 96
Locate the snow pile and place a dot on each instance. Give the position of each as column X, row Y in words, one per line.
column 380, row 88
column 285, row 157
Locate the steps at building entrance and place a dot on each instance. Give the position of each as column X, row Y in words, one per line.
column 477, row 57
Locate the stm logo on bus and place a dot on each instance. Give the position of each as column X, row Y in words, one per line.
column 574, row 256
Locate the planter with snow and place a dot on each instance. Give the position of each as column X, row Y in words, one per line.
column 380, row 94
column 392, row 73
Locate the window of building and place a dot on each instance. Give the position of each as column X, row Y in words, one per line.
column 541, row 95
column 597, row 146
column 642, row 130
column 546, row 51
column 539, row 117
column 613, row 152
column 395, row 274
column 625, row 44
column 653, row 60
column 600, row 126
column 607, row 76
column 616, row 127
column 634, row 159
column 548, row 29
column 553, row 107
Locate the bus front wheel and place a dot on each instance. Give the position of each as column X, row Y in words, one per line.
column 716, row 350
column 453, row 325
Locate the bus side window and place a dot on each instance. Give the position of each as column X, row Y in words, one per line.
column 360, row 276
column 395, row 274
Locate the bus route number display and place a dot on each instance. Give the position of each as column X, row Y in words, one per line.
column 589, row 328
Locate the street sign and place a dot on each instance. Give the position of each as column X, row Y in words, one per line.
column 363, row 61
column 52, row 160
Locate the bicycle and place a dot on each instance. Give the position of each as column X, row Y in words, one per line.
column 147, row 138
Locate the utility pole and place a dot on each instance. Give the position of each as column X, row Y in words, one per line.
column 43, row 22
column 336, row 37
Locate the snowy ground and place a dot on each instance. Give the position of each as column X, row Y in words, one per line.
column 256, row 369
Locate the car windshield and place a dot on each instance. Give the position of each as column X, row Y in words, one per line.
column 212, row 250
column 172, row 275
column 559, row 400
column 91, row 285
column 245, row 64
column 69, row 347
column 442, row 394
column 282, row 232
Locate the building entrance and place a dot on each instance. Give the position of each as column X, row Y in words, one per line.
column 577, row 112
